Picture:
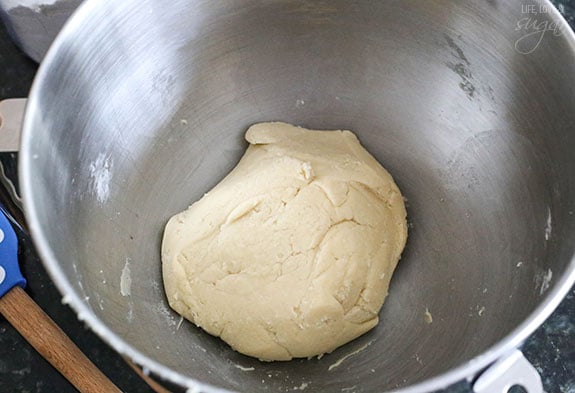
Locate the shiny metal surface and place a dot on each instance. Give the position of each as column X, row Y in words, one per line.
column 140, row 108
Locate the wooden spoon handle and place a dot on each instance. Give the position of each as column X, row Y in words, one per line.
column 52, row 343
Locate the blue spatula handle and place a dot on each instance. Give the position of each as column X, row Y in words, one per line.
column 10, row 274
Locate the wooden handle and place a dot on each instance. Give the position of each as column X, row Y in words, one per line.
column 52, row 343
column 156, row 387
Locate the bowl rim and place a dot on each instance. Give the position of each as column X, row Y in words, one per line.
column 465, row 371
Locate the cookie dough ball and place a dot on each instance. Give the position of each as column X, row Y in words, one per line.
column 291, row 254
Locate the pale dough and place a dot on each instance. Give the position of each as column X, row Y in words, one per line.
column 291, row 254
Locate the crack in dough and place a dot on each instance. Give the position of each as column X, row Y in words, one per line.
column 291, row 254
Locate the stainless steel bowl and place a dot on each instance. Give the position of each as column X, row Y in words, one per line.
column 140, row 107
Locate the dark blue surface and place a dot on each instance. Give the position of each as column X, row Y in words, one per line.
column 551, row 348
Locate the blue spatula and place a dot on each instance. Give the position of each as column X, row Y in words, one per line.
column 37, row 327
column 10, row 275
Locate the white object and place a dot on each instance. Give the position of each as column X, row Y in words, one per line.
column 11, row 115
